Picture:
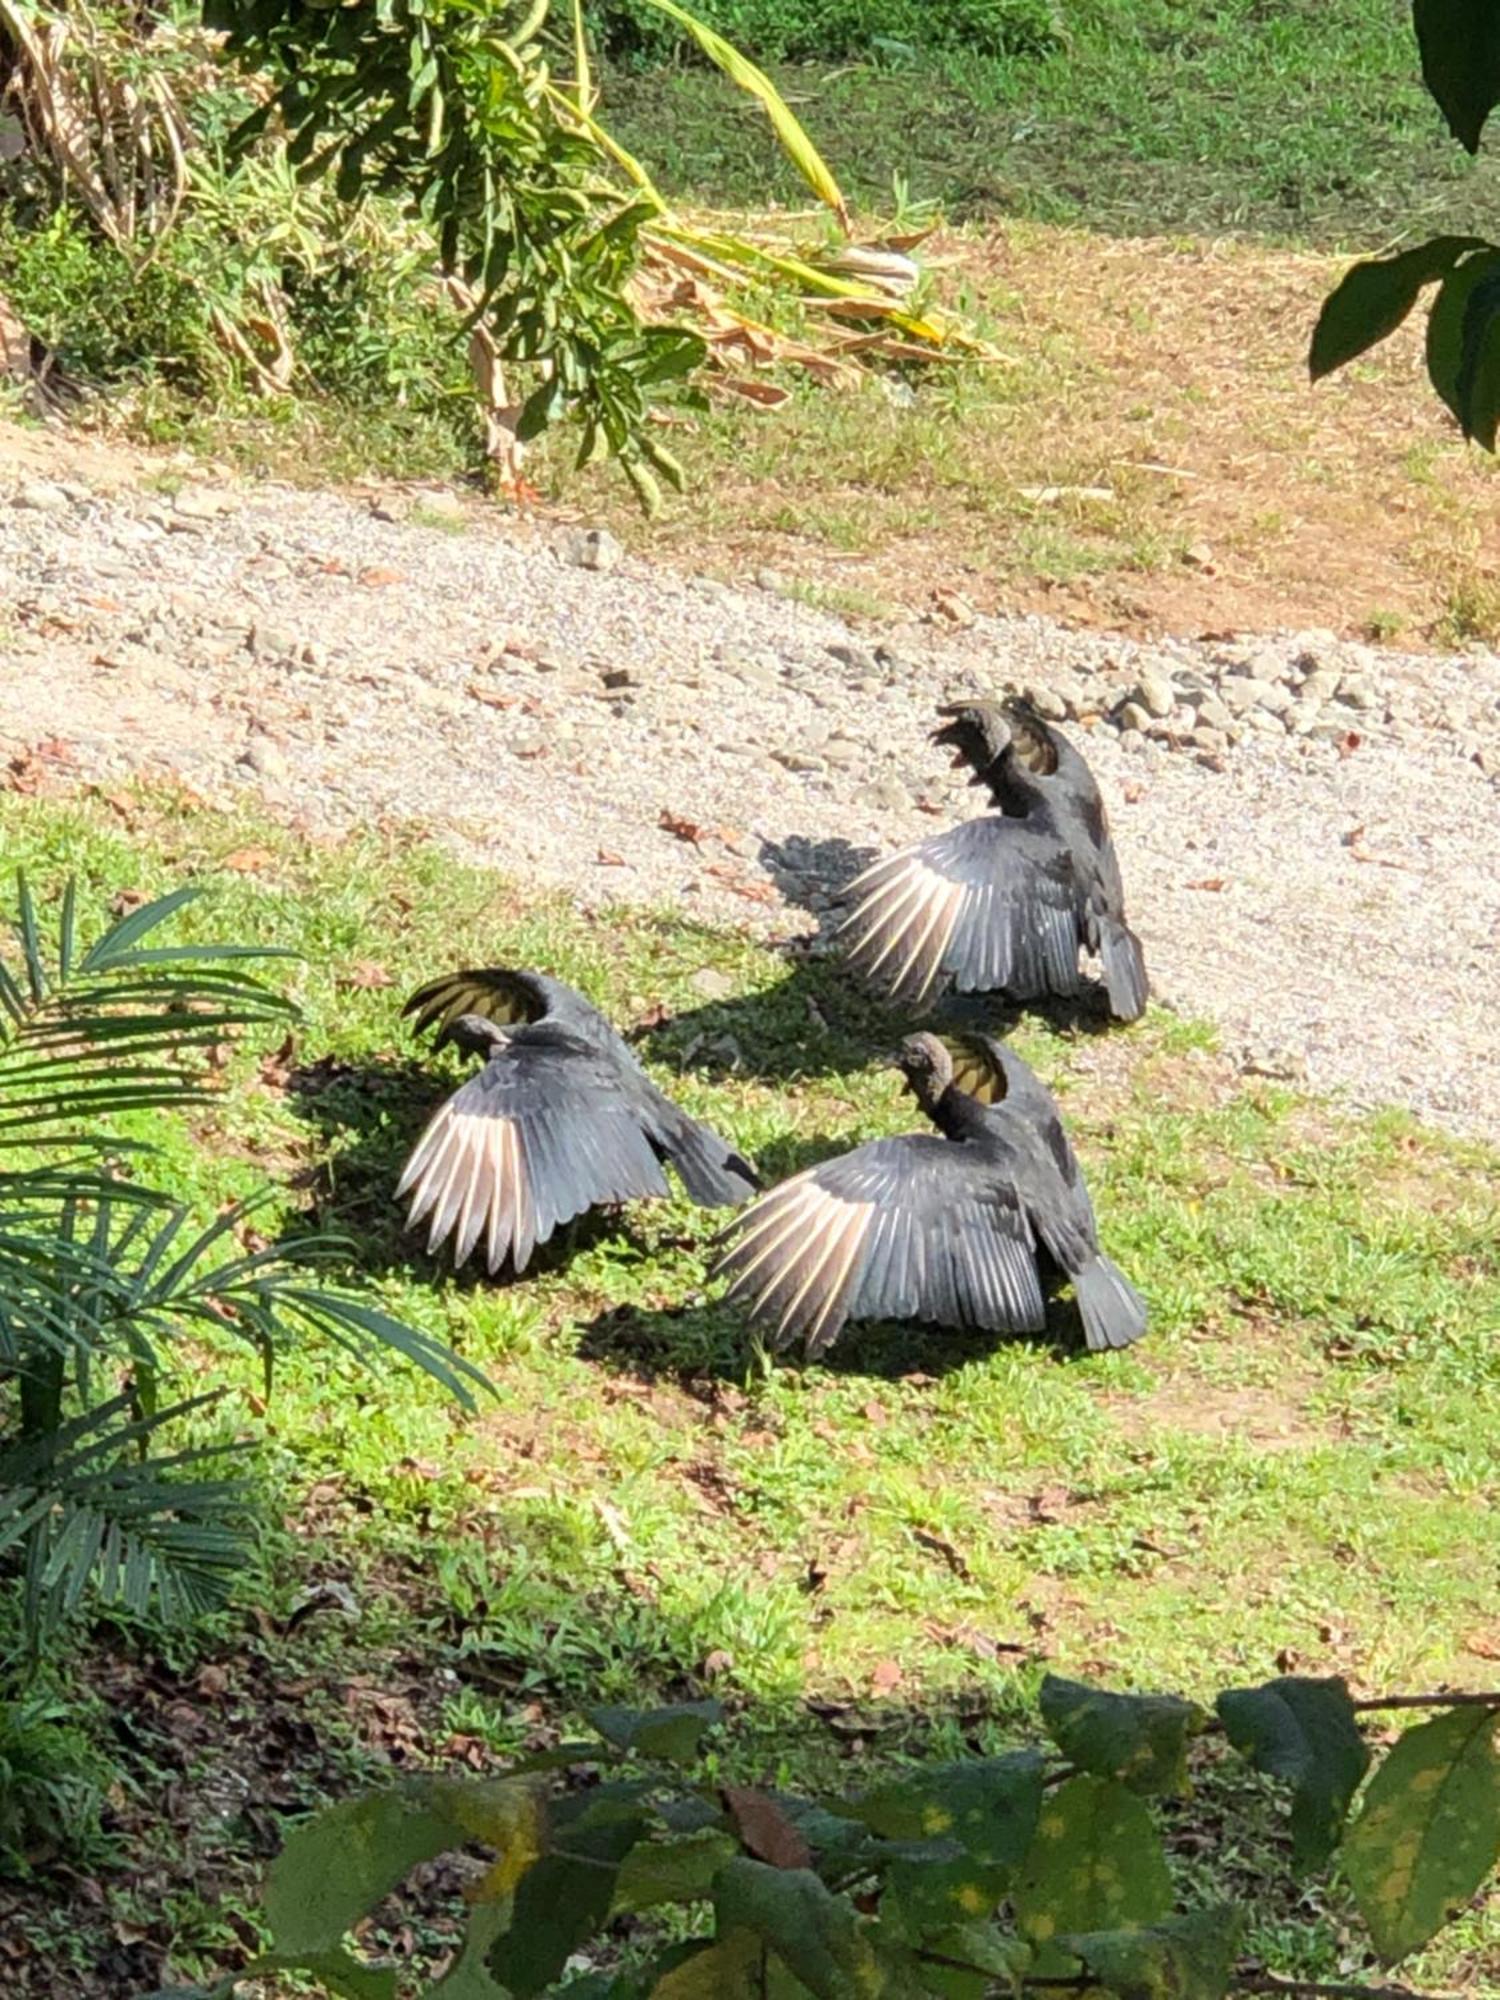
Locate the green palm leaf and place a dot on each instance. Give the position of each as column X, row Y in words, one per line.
column 96, row 1513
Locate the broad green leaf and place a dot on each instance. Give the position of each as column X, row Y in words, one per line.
column 338, row 1866
column 1449, row 320
column 1373, row 299
column 467, row 1978
column 1428, row 1831
column 815, row 1933
column 1140, row 1739
column 672, row 1871
column 1096, row 1863
column 559, row 1903
column 978, row 1959
column 1185, row 1958
column 673, row 1733
column 334, row 1970
column 731, row 1968
column 799, row 148
column 989, row 1805
column 1304, row 1731
column 1479, row 364
column 925, row 1894
column 1460, row 46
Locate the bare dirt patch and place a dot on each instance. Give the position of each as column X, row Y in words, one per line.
column 1150, row 456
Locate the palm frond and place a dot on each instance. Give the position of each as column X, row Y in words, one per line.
column 114, row 1028
column 127, row 1278
column 96, row 1513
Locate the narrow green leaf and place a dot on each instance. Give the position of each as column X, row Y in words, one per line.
column 583, row 82
column 1459, row 42
column 1373, row 299
column 1096, row 1864
column 1428, row 1831
column 1140, row 1739
column 799, row 148
column 1185, row 1958
column 1306, row 1732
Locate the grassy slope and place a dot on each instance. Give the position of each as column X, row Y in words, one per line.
column 1286, row 1468
column 1304, row 121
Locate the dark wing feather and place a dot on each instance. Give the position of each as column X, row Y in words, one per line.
column 499, row 995
column 538, row 1136
column 909, row 1228
column 989, row 906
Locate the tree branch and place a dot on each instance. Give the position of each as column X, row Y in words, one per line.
column 1325, row 1989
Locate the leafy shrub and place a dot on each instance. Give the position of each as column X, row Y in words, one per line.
column 104, row 1282
column 351, row 295
column 52, row 1784
column 955, row 1881
column 838, row 30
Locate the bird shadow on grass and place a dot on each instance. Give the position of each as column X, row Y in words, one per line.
column 818, row 1022
column 701, row 1339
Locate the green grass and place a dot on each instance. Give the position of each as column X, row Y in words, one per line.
column 1295, row 1464
column 1304, row 120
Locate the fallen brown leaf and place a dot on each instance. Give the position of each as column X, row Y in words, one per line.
column 764, row 1828
column 886, row 1678
column 607, row 858
column 377, row 578
column 248, row 860
column 1213, row 882
column 492, row 697
column 1354, row 840
column 681, row 829
column 276, row 1068
column 366, row 975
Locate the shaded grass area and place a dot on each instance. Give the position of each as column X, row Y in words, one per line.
column 875, row 1556
column 1299, row 122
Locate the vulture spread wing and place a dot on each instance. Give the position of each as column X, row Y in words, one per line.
column 908, row 1228
column 504, row 997
column 991, row 905
column 538, row 1136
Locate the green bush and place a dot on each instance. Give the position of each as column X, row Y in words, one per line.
column 840, row 30
column 364, row 326
column 53, row 1783
column 995, row 1875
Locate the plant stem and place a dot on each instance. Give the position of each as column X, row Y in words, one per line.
column 1324, row 1989
column 1460, row 1698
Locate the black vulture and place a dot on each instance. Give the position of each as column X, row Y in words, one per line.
column 1002, row 903
column 560, row 1119
column 945, row 1229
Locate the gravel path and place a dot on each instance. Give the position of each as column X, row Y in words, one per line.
column 1308, row 828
